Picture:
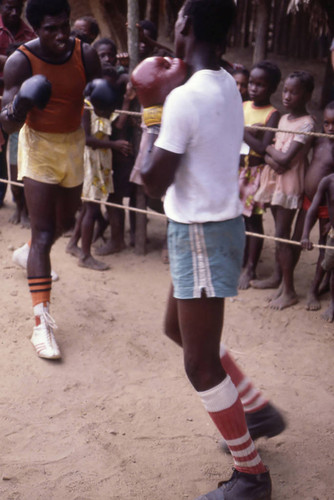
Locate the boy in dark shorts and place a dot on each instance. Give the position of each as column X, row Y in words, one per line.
column 322, row 208
column 325, row 190
column 321, row 165
column 194, row 163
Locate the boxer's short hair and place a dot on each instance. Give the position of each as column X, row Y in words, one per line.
column 37, row 9
column 211, row 19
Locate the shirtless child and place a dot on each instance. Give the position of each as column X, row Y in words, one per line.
column 321, row 165
column 325, row 191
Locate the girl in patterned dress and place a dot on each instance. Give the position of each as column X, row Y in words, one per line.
column 98, row 181
column 287, row 161
column 263, row 81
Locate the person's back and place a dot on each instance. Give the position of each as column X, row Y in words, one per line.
column 321, row 165
column 325, row 191
column 322, row 161
column 205, row 187
column 330, row 198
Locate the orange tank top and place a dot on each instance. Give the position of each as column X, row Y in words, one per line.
column 63, row 112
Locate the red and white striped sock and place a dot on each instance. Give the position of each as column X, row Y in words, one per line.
column 224, row 407
column 251, row 397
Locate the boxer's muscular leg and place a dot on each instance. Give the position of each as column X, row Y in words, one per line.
column 67, row 203
column 41, row 201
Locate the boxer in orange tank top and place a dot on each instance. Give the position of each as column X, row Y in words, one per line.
column 43, row 98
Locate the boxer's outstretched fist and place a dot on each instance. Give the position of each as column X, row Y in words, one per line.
column 155, row 77
column 101, row 94
column 36, row 91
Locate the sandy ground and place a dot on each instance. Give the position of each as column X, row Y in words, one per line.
column 116, row 418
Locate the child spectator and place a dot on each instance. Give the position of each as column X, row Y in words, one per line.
column 97, row 179
column 148, row 45
column 263, row 81
column 325, row 190
column 107, row 51
column 122, row 152
column 288, row 158
column 86, row 29
column 321, row 165
column 123, row 160
column 241, row 76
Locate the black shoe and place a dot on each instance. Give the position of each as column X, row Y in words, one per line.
column 267, row 422
column 242, row 486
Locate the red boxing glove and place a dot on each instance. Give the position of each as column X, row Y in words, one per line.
column 153, row 79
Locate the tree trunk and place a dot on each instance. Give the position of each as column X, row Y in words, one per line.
column 262, row 25
column 328, row 6
column 133, row 18
column 152, row 11
column 247, row 37
column 111, row 18
column 327, row 85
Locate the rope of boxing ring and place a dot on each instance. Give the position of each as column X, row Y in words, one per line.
column 156, row 214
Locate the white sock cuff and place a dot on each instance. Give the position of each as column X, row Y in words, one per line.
column 220, row 397
column 39, row 309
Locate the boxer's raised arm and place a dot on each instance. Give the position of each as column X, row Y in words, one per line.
column 16, row 71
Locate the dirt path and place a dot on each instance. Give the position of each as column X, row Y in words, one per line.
column 117, row 419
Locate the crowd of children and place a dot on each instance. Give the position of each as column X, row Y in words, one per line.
column 289, row 172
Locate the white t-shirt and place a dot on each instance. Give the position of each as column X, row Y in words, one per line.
column 203, row 120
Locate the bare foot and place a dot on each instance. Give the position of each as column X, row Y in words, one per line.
column 271, row 282
column 283, row 301
column 313, row 303
column 328, row 315
column 245, row 279
column 15, row 218
column 92, row 263
column 73, row 250
column 275, row 295
column 110, row 248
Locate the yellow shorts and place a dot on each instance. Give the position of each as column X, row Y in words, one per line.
column 51, row 158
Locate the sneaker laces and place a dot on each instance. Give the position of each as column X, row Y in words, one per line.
column 48, row 320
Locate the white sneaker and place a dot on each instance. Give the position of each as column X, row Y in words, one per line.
column 20, row 258
column 43, row 339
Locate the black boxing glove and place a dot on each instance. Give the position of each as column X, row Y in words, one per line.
column 36, row 91
column 101, row 94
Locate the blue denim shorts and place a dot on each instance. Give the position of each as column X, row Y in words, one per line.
column 206, row 257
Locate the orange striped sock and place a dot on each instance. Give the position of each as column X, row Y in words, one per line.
column 224, row 407
column 251, row 397
column 40, row 289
